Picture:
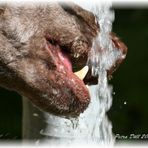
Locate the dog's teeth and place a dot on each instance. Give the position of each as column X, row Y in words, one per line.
column 87, row 86
column 76, row 55
column 82, row 73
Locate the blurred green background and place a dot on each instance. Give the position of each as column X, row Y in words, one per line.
column 129, row 112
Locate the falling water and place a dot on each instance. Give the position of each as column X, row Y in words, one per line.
column 101, row 58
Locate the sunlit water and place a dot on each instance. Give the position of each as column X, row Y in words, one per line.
column 92, row 126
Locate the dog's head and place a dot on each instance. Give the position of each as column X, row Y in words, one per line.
column 47, row 46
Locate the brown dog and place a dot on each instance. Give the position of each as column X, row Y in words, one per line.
column 40, row 48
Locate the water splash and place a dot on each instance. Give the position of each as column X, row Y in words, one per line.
column 102, row 57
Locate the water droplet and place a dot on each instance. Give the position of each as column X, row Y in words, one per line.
column 125, row 102
column 35, row 114
column 74, row 122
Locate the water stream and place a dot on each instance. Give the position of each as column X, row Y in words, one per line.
column 101, row 58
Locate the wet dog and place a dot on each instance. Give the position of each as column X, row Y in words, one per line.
column 41, row 48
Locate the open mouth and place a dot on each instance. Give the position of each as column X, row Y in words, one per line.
column 66, row 78
column 67, row 62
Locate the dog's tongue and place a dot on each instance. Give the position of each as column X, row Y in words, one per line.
column 65, row 60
